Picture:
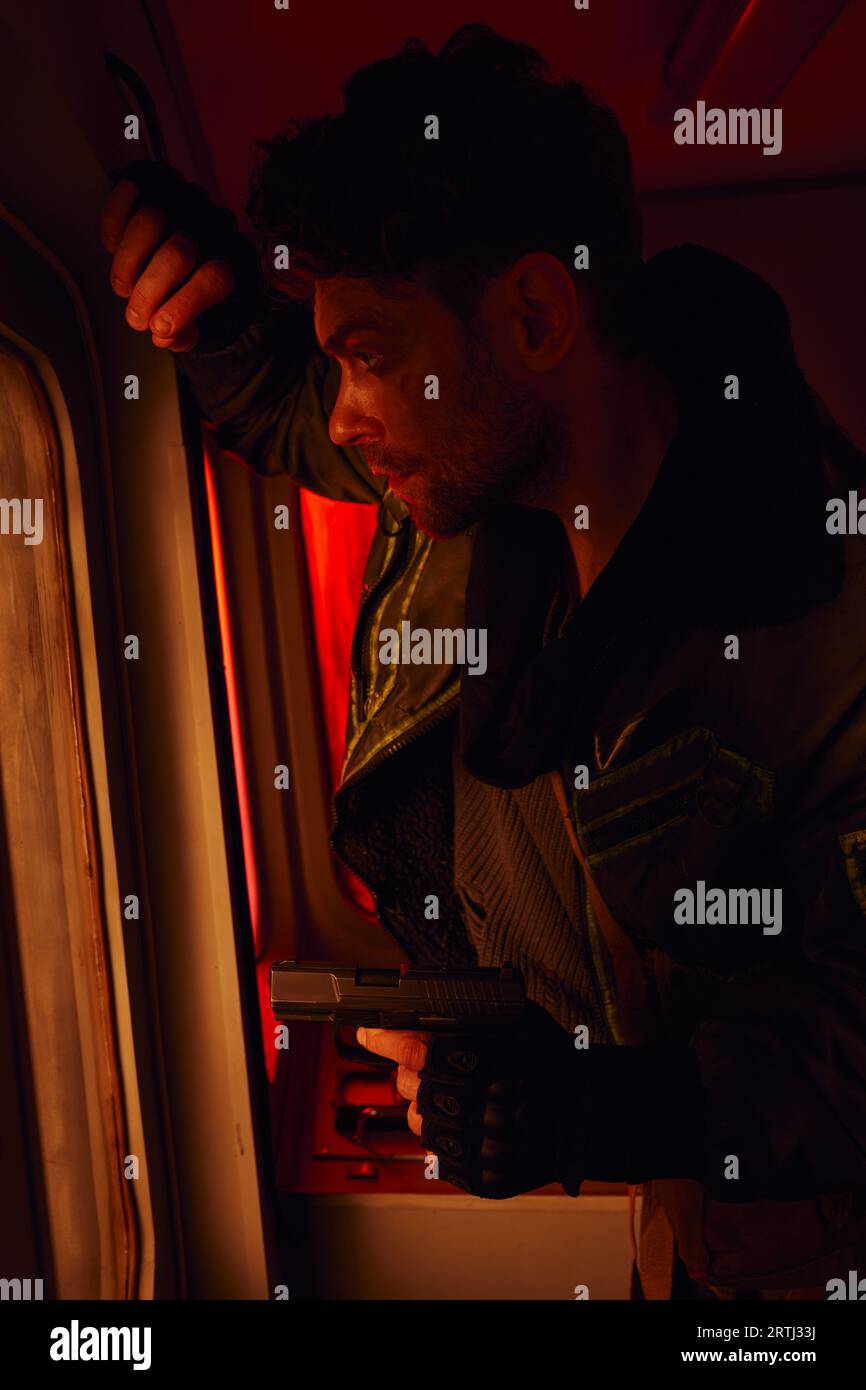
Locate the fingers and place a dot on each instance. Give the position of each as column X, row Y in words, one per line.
column 170, row 266
column 140, row 239
column 407, row 1082
column 156, row 273
column 409, row 1049
column 116, row 213
column 210, row 284
column 181, row 342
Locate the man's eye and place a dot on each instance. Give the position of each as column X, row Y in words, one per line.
column 370, row 359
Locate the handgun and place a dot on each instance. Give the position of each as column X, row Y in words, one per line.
column 373, row 997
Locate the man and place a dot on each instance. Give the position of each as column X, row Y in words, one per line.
column 652, row 798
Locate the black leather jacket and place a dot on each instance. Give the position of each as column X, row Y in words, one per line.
column 738, row 772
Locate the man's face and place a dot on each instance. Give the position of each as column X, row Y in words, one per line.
column 449, row 458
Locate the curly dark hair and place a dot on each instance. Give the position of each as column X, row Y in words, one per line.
column 522, row 163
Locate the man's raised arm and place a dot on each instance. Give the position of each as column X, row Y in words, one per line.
column 193, row 282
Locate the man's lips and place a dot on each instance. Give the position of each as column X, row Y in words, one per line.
column 389, row 474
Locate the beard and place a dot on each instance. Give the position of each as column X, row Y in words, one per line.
column 499, row 446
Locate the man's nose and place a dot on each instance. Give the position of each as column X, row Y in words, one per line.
column 350, row 425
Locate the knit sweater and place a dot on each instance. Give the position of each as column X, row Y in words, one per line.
column 519, row 886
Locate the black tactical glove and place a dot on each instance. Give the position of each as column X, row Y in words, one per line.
column 501, row 1109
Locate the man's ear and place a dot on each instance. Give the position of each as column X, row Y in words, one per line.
column 544, row 310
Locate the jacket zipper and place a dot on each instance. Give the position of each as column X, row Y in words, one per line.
column 398, row 560
column 605, row 988
column 359, row 636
